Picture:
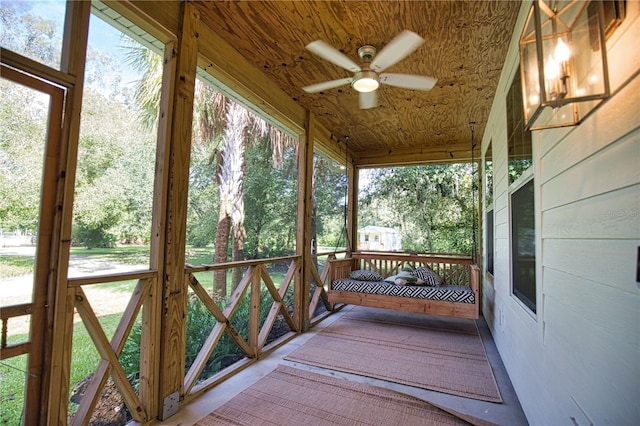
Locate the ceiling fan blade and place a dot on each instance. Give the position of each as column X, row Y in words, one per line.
column 331, row 54
column 402, row 45
column 326, row 85
column 368, row 100
column 408, row 81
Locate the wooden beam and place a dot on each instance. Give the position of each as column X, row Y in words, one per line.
column 453, row 153
column 247, row 84
column 173, row 339
column 237, row 264
column 303, row 231
column 254, row 311
column 122, row 276
column 278, row 306
column 149, row 391
column 162, row 23
column 45, row 255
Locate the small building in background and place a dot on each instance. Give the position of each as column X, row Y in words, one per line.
column 379, row 238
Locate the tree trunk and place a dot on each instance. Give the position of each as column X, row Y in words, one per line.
column 222, row 245
column 237, row 254
column 231, row 179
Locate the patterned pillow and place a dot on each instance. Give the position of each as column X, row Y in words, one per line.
column 428, row 276
column 407, row 278
column 364, row 275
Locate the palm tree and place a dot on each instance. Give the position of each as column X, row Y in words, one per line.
column 215, row 115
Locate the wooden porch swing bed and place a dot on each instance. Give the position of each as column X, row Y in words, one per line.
column 355, row 280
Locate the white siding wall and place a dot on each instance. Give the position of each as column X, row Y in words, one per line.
column 578, row 360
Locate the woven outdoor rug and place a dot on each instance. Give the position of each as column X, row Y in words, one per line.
column 445, row 355
column 291, row 396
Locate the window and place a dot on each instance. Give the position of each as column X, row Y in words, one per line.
column 114, row 185
column 34, row 29
column 520, row 155
column 490, row 247
column 488, row 173
column 329, row 222
column 521, row 197
column 422, row 208
column 523, row 245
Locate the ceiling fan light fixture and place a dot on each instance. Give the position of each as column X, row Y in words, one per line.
column 365, row 81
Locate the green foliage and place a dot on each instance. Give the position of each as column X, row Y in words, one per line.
column 12, row 378
column 15, row 266
column 517, row 167
column 114, row 185
column 114, row 180
column 23, row 113
column 270, row 200
column 93, row 236
column 329, row 192
column 29, row 35
column 204, row 199
column 432, row 206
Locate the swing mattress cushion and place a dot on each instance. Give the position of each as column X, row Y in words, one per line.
column 449, row 293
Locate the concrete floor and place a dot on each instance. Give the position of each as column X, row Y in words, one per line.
column 508, row 413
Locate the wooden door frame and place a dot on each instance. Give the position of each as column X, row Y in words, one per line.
column 41, row 319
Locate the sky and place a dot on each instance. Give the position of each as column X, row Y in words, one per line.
column 102, row 36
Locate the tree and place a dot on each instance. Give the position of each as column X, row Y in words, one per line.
column 215, row 114
column 29, row 35
column 114, row 179
column 241, row 129
column 329, row 201
column 270, row 201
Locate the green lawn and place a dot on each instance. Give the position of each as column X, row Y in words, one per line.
column 15, row 266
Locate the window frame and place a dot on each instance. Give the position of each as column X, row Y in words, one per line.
column 526, row 178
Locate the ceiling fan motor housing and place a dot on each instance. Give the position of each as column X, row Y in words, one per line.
column 367, row 52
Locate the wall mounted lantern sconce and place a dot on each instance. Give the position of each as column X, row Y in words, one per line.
column 563, row 62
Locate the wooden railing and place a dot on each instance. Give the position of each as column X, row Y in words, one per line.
column 320, row 285
column 254, row 346
column 110, row 350
column 16, row 349
column 454, row 269
column 257, row 281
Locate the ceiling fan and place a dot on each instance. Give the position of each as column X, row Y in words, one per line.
column 367, row 77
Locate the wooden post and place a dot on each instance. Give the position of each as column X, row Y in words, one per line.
column 152, row 310
column 254, row 310
column 58, row 340
column 303, row 241
column 173, row 328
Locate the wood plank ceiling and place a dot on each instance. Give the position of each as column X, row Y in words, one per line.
column 465, row 47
